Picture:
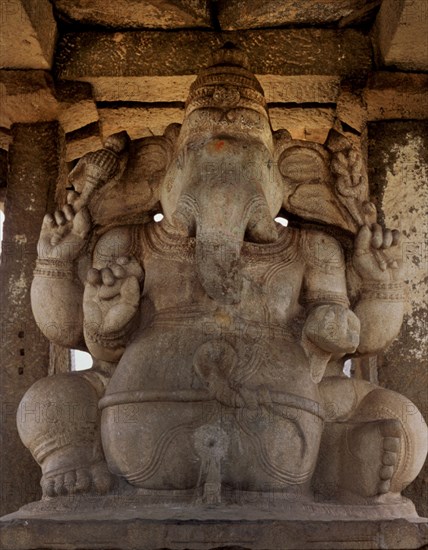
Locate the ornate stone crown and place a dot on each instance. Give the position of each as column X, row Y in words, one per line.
column 227, row 84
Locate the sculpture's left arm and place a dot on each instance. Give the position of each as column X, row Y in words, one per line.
column 381, row 305
column 331, row 329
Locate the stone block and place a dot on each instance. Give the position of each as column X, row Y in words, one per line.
column 82, row 141
column 402, row 37
column 351, row 109
column 300, row 89
column 303, row 123
column 28, row 34
column 158, row 14
column 396, row 96
column 77, row 107
column 235, row 14
column 138, row 122
column 155, row 66
column 26, row 97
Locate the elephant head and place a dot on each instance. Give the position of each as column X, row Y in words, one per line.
column 223, row 175
column 223, row 185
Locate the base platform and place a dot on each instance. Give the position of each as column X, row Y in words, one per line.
column 113, row 523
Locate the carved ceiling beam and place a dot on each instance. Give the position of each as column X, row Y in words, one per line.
column 32, row 96
column 157, row 66
column 28, row 34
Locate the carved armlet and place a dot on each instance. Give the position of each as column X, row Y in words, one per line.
column 391, row 292
column 55, row 269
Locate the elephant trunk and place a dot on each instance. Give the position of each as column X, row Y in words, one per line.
column 220, row 231
column 218, row 265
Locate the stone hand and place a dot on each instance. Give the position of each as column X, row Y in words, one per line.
column 375, row 258
column 64, row 234
column 112, row 297
column 333, row 328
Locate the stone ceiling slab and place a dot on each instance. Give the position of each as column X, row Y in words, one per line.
column 155, row 66
column 28, row 34
column 237, row 14
column 159, row 14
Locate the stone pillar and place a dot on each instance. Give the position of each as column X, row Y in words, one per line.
column 398, row 166
column 34, row 162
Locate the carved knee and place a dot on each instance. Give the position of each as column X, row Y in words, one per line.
column 386, row 404
column 58, row 412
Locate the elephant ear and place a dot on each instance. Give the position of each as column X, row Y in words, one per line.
column 131, row 195
column 326, row 184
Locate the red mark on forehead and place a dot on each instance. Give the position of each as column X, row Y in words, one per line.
column 219, row 145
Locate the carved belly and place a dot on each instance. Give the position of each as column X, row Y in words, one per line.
column 178, row 389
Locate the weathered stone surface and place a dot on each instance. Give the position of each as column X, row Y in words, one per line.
column 82, row 141
column 398, row 174
column 26, row 96
column 392, row 95
column 135, row 66
column 303, row 123
column 77, row 107
column 402, row 35
column 181, row 292
column 351, row 109
column 28, row 33
column 312, row 124
column 34, row 162
column 158, row 14
column 236, row 14
column 156, row 530
column 139, row 121
column 300, row 89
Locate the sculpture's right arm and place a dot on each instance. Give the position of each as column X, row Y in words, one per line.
column 56, row 299
column 56, row 291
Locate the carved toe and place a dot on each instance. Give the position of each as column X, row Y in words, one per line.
column 83, row 480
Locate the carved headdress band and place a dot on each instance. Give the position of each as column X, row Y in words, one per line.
column 227, row 84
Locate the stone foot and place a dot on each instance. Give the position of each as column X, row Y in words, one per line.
column 93, row 478
column 371, row 457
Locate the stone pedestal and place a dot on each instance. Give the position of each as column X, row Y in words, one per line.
column 124, row 522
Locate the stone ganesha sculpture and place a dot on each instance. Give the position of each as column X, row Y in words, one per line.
column 218, row 335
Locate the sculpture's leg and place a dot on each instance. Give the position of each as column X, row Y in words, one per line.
column 378, row 449
column 59, row 422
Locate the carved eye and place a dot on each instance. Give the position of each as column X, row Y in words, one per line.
column 303, row 165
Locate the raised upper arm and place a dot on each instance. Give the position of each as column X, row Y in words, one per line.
column 324, row 277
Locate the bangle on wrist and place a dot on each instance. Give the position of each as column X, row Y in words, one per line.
column 54, row 268
column 112, row 340
column 377, row 290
